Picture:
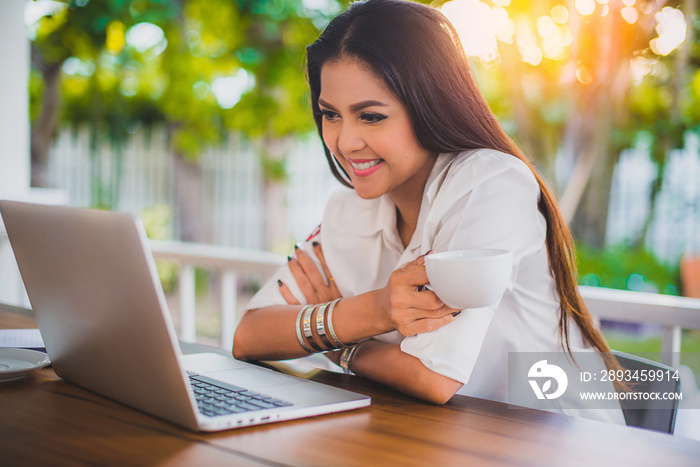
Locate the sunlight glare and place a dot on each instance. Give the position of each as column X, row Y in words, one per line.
column 532, row 55
column 36, row 10
column 640, row 67
column 560, row 14
column 629, row 14
column 228, row 90
column 506, row 34
column 477, row 26
column 545, row 26
column 553, row 46
column 567, row 36
column 500, row 18
column 671, row 27
column 585, row 7
column 583, row 75
column 144, row 36
column 524, row 34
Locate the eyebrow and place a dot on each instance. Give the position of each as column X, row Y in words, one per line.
column 356, row 107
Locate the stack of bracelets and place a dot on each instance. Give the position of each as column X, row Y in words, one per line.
column 328, row 340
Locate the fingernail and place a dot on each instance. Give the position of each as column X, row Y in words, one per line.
column 289, row 258
column 430, row 252
column 314, row 243
column 296, row 247
column 279, row 282
column 456, row 313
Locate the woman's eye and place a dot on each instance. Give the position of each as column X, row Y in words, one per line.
column 329, row 115
column 372, row 117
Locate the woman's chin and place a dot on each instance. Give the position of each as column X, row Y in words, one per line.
column 368, row 192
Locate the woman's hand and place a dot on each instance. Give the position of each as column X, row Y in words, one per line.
column 316, row 287
column 410, row 310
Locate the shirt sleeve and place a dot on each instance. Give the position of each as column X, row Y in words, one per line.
column 499, row 213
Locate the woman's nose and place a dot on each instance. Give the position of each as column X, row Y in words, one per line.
column 349, row 139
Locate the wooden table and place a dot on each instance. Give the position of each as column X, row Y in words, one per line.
column 47, row 421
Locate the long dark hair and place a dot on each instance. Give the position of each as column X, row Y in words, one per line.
column 417, row 52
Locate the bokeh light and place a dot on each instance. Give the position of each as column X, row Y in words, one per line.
column 532, row 55
column 545, row 26
column 477, row 25
column 583, row 75
column 145, row 36
column 585, row 7
column 629, row 14
column 228, row 90
column 549, row 36
column 671, row 28
column 560, row 14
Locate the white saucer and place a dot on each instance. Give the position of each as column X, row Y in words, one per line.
column 18, row 363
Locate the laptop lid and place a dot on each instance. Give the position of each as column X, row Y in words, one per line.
column 97, row 299
column 91, row 288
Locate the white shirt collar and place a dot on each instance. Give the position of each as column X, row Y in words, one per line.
column 372, row 216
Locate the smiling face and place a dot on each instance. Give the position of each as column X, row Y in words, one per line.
column 370, row 133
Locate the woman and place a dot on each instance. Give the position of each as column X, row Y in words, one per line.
column 428, row 167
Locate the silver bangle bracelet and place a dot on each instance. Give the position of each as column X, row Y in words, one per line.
column 334, row 338
column 346, row 357
column 306, row 322
column 301, row 339
column 321, row 327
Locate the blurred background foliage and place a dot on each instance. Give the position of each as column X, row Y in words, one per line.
column 573, row 81
column 627, row 268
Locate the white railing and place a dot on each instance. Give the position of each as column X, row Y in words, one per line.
column 672, row 313
column 229, row 263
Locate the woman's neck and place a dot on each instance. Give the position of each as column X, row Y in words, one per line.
column 408, row 201
column 406, row 226
column 407, row 212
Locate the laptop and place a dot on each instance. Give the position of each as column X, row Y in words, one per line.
column 92, row 283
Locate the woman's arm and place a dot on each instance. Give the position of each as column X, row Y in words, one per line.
column 381, row 362
column 387, row 364
column 269, row 333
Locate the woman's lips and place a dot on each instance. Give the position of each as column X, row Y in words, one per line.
column 365, row 167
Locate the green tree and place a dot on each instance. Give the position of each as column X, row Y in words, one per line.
column 86, row 35
column 565, row 81
column 217, row 66
column 568, row 78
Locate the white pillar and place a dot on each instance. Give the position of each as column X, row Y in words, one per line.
column 229, row 316
column 14, row 133
column 188, row 321
column 14, row 101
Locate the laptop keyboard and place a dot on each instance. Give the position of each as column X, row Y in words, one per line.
column 216, row 398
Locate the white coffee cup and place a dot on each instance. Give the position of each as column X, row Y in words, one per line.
column 469, row 278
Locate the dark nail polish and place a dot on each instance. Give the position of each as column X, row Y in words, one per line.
column 296, row 247
column 279, row 282
column 314, row 243
column 456, row 313
column 289, row 258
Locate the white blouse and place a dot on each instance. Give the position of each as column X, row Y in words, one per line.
column 476, row 199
